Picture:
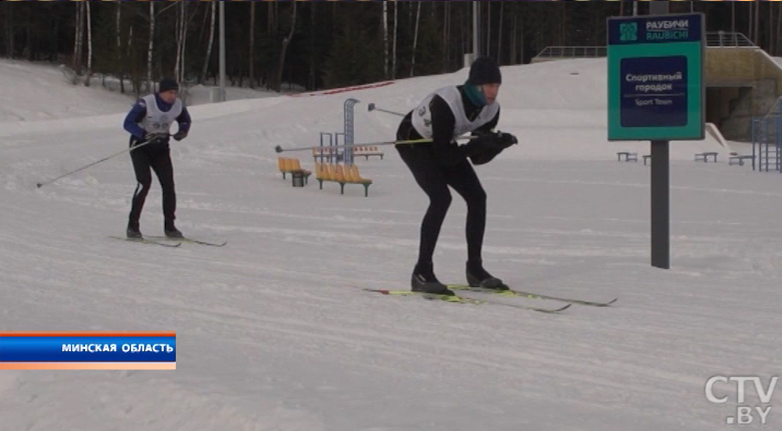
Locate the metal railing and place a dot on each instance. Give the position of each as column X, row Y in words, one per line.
column 726, row 39
column 767, row 139
column 714, row 39
column 550, row 52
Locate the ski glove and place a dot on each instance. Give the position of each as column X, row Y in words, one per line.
column 498, row 142
column 180, row 135
column 505, row 140
column 480, row 143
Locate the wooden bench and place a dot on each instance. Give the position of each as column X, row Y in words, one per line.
column 347, row 174
column 739, row 159
column 705, row 157
column 628, row 156
column 366, row 151
column 288, row 165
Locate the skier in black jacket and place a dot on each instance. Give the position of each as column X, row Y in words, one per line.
column 443, row 116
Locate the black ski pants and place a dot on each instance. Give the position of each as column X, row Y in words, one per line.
column 156, row 157
column 435, row 178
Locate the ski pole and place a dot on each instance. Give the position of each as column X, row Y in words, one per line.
column 279, row 148
column 41, row 184
column 372, row 107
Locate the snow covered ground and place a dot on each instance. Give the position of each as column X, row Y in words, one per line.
column 274, row 332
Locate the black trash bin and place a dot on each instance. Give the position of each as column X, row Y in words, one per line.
column 297, row 179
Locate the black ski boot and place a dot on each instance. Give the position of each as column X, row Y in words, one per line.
column 425, row 281
column 133, row 231
column 171, row 231
column 478, row 277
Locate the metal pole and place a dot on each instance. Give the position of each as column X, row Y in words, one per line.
column 349, row 130
column 372, row 107
column 476, row 13
column 660, row 185
column 222, row 51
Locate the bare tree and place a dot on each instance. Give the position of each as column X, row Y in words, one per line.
column 446, row 30
column 89, row 44
column 182, row 25
column 134, row 73
column 770, row 31
column 135, row 81
column 396, row 27
column 499, row 35
column 9, row 26
column 562, row 18
column 271, row 30
column 178, row 37
column 779, row 30
column 252, row 44
column 385, row 39
column 464, row 29
column 757, row 22
column 521, row 45
column 209, row 45
column 415, row 38
column 311, row 82
column 733, row 17
column 77, row 43
column 184, row 42
column 120, row 66
column 514, row 35
column 151, row 45
column 285, row 42
column 488, row 30
column 270, row 23
column 312, row 71
column 749, row 33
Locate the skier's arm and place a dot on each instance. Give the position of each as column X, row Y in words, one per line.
column 184, row 121
column 134, row 117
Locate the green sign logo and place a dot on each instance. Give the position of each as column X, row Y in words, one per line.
column 628, row 32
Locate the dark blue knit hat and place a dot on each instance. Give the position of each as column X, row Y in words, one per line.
column 484, row 70
column 167, row 84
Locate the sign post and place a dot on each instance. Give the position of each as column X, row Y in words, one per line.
column 656, row 93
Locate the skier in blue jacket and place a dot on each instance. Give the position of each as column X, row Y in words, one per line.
column 149, row 121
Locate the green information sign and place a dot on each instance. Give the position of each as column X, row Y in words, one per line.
column 655, row 78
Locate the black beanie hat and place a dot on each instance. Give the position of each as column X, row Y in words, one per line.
column 167, row 84
column 484, row 70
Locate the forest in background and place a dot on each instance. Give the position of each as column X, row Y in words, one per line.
column 320, row 45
